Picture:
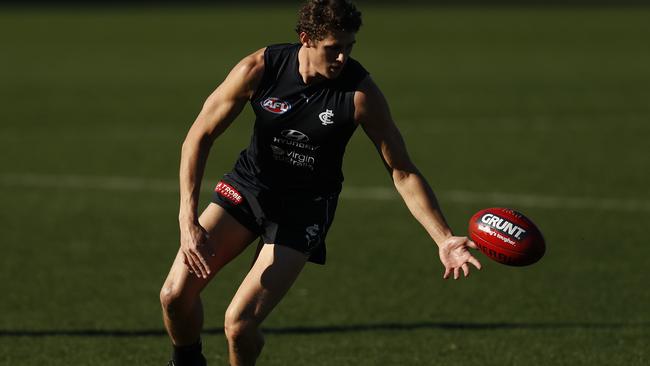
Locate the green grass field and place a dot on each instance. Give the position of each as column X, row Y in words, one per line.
column 546, row 110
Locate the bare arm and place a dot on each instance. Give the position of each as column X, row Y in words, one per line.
column 218, row 112
column 372, row 112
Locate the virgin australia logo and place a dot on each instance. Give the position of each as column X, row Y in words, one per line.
column 326, row 117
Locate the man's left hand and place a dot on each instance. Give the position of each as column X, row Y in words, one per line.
column 455, row 255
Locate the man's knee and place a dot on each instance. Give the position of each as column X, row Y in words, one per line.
column 239, row 328
column 172, row 301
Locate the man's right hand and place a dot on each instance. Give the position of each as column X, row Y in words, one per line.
column 196, row 249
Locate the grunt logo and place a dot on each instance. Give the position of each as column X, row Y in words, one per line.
column 502, row 225
column 275, row 105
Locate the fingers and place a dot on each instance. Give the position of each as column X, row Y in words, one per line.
column 189, row 262
column 204, row 251
column 474, row 262
column 203, row 264
column 199, row 263
column 456, row 271
column 465, row 268
column 196, row 254
column 196, row 268
column 456, row 257
column 196, row 263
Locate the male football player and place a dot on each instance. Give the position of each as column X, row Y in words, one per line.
column 308, row 99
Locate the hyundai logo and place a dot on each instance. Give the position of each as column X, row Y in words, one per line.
column 295, row 135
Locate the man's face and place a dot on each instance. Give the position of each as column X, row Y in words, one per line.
column 332, row 52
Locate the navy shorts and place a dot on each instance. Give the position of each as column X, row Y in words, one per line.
column 296, row 221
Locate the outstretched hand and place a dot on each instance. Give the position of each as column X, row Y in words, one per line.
column 455, row 255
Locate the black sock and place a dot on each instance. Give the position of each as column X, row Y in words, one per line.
column 189, row 355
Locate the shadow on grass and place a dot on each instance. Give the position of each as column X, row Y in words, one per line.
column 351, row 328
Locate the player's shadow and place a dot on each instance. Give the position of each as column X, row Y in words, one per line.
column 350, row 328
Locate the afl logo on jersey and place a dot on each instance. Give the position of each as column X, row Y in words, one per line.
column 275, row 105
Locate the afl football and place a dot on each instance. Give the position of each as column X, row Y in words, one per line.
column 507, row 236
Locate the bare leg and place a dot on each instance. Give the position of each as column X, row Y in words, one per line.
column 260, row 245
column 267, row 282
column 180, row 294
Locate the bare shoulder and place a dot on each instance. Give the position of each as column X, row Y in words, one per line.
column 248, row 72
column 369, row 102
column 252, row 64
column 366, row 91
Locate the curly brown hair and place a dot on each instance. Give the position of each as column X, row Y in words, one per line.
column 318, row 18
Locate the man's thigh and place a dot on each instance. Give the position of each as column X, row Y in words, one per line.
column 226, row 237
column 271, row 276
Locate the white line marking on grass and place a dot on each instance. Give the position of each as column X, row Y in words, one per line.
column 108, row 183
column 551, row 202
column 372, row 193
column 509, row 199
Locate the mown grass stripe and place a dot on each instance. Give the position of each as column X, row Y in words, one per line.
column 373, row 193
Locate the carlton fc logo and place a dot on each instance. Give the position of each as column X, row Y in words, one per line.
column 326, row 117
column 275, row 105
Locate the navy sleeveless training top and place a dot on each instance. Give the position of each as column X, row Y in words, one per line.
column 301, row 130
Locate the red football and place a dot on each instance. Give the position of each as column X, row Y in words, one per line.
column 507, row 236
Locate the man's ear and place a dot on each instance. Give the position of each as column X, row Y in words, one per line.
column 305, row 40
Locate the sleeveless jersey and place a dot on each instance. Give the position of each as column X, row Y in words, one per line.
column 301, row 130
